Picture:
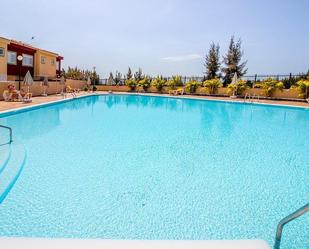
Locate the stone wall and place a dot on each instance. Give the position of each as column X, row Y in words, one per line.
column 285, row 94
column 54, row 88
column 37, row 89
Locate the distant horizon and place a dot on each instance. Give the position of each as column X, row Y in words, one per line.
column 165, row 38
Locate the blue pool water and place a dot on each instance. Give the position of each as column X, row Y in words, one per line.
column 140, row 167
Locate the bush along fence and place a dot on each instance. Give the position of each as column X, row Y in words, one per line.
column 265, row 86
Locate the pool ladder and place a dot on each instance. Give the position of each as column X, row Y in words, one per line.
column 286, row 220
column 11, row 133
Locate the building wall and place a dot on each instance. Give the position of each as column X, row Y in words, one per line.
column 11, row 72
column 47, row 69
column 14, row 70
column 58, row 65
column 3, row 59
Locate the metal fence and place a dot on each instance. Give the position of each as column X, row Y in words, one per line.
column 120, row 82
column 289, row 79
column 257, row 77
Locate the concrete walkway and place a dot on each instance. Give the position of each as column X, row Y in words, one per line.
column 30, row 243
column 5, row 106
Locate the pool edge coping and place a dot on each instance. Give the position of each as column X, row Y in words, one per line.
column 64, row 243
column 191, row 97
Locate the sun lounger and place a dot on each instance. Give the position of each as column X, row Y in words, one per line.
column 17, row 96
column 26, row 98
column 179, row 91
column 7, row 96
column 12, row 96
column 71, row 90
column 171, row 92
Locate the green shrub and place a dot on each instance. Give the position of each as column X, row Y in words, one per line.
column 249, row 83
column 158, row 83
column 131, row 83
column 212, row 85
column 303, row 88
column 145, row 83
column 174, row 82
column 238, row 88
column 192, row 85
column 269, row 86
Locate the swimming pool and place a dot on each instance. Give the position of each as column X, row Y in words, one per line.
column 141, row 167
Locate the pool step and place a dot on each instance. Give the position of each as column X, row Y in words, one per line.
column 5, row 154
column 11, row 168
column 31, row 243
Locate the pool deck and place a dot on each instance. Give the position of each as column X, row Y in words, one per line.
column 7, row 106
column 32, row 243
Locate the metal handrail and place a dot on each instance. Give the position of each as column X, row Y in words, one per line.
column 252, row 98
column 10, row 130
column 246, row 95
column 286, row 220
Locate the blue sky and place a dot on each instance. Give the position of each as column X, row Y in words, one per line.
column 162, row 36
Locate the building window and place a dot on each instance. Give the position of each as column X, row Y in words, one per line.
column 2, row 52
column 28, row 60
column 12, row 58
column 52, row 62
column 43, row 60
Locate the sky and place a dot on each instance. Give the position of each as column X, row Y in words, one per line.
column 165, row 37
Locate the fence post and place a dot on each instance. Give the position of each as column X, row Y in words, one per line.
column 290, row 79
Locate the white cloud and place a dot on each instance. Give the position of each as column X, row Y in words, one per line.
column 187, row 57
